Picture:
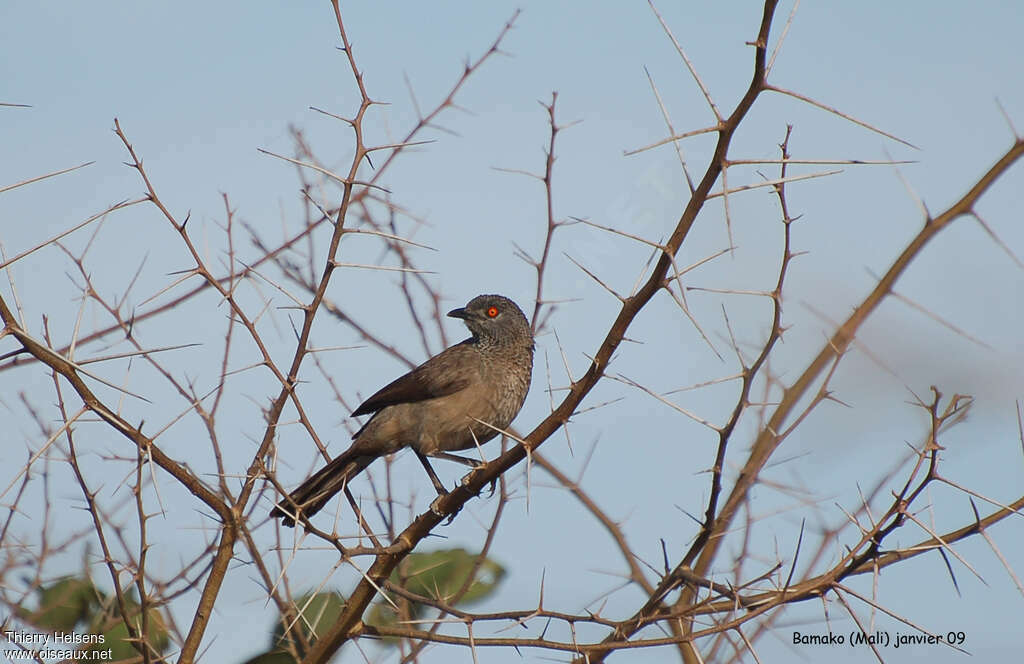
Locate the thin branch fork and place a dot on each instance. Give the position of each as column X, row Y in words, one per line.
column 65, row 368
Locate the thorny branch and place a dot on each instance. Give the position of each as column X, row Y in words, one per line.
column 730, row 607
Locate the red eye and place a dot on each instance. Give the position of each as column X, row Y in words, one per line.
column 492, row 312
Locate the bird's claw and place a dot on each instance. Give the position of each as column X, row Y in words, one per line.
column 468, row 477
column 435, row 506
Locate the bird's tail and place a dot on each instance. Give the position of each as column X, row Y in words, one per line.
column 314, row 493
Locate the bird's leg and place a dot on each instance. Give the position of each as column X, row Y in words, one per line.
column 430, row 471
column 472, row 463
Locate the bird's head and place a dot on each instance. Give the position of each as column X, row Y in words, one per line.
column 495, row 319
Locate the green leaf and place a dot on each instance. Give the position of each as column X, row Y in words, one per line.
column 437, row 574
column 319, row 612
column 440, row 574
column 63, row 604
column 111, row 626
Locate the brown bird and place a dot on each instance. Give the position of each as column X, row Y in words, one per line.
column 454, row 401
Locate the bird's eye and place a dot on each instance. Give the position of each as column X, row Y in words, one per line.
column 492, row 312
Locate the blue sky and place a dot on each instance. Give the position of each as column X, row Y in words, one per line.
column 199, row 87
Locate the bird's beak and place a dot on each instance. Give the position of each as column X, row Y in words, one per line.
column 459, row 313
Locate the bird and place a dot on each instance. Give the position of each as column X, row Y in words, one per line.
column 458, row 399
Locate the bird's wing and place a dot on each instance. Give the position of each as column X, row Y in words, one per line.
column 441, row 375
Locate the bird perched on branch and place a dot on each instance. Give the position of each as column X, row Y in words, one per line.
column 454, row 401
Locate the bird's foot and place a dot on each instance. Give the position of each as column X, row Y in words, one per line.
column 493, row 483
column 467, row 478
column 435, row 506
